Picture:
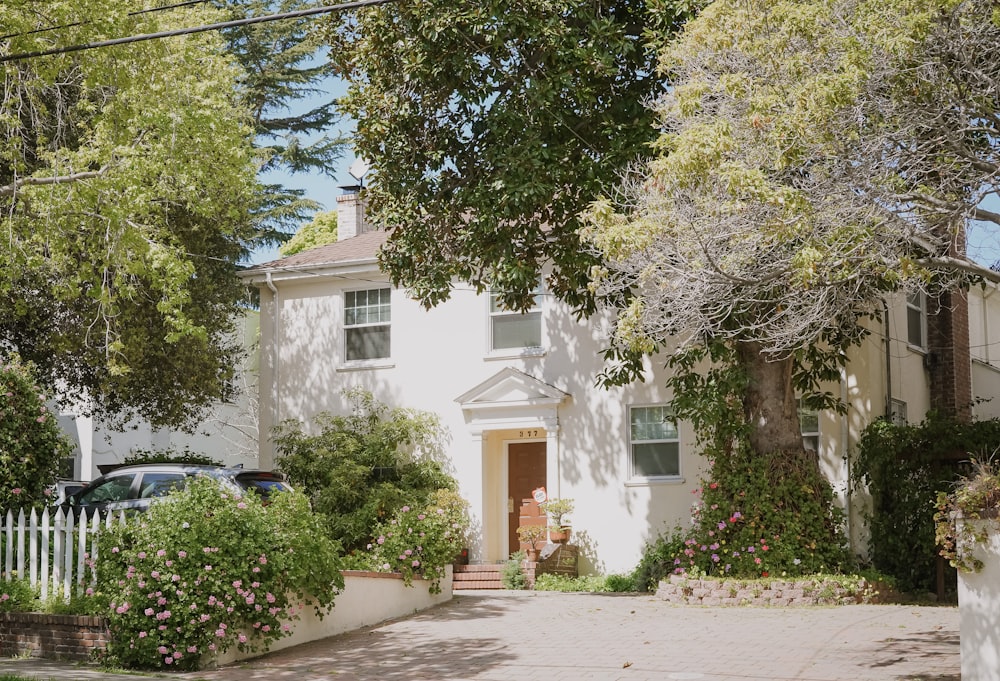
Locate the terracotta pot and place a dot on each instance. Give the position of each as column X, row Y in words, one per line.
column 560, row 536
column 532, row 555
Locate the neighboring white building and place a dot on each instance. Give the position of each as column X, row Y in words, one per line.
column 229, row 435
column 517, row 393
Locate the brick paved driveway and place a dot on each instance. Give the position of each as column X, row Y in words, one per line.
column 527, row 636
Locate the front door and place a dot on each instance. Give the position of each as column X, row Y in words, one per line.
column 525, row 473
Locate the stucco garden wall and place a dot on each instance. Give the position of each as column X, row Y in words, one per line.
column 368, row 598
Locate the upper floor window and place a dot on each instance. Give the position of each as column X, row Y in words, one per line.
column 916, row 320
column 510, row 330
column 654, row 442
column 366, row 323
column 809, row 427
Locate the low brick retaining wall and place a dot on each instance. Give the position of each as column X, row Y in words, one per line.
column 55, row 637
column 776, row 593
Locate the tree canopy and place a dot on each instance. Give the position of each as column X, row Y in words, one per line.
column 321, row 230
column 814, row 156
column 284, row 65
column 127, row 177
column 490, row 125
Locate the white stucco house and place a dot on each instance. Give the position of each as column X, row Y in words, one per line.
column 517, row 392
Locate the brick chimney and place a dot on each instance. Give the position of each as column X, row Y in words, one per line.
column 351, row 213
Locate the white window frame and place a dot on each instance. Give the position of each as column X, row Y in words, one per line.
column 495, row 312
column 916, row 303
column 897, row 414
column 634, row 474
column 386, row 323
column 809, row 435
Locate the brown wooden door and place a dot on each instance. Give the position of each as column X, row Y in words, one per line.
column 525, row 473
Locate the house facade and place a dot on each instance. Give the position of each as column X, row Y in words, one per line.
column 517, row 394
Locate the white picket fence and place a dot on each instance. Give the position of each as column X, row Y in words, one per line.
column 53, row 550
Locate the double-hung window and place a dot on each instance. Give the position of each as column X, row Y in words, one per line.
column 654, row 442
column 809, row 427
column 916, row 320
column 367, row 316
column 512, row 330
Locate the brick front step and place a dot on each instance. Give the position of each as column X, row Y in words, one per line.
column 476, row 577
column 486, row 576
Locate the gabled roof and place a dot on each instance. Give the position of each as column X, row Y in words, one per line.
column 356, row 249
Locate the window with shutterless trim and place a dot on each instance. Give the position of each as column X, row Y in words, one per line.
column 511, row 329
column 367, row 317
column 654, row 442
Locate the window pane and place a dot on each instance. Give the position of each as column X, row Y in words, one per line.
column 160, row 484
column 914, row 327
column 517, row 331
column 367, row 307
column 367, row 342
column 113, row 489
column 656, row 459
column 808, row 421
column 653, row 423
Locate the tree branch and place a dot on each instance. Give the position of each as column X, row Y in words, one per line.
column 11, row 189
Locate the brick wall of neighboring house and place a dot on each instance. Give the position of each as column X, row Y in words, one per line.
column 69, row 637
column 948, row 361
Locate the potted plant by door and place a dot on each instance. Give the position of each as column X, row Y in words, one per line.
column 968, row 530
column 557, row 509
column 531, row 535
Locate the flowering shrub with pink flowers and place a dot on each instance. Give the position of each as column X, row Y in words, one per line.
column 204, row 571
column 754, row 517
column 30, row 438
column 422, row 541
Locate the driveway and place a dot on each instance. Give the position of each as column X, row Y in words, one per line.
column 543, row 636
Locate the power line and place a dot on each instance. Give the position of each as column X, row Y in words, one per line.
column 84, row 23
column 195, row 29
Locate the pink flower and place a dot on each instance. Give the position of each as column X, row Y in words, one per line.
column 182, row 554
column 161, row 553
column 16, row 490
column 406, row 509
column 243, row 638
column 162, row 650
column 142, row 634
column 142, row 555
column 168, row 660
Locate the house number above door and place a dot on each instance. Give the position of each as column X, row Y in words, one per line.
column 529, row 433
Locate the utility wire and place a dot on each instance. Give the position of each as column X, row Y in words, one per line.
column 195, row 29
column 84, row 23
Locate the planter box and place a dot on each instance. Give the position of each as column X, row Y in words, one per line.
column 367, row 598
column 979, row 611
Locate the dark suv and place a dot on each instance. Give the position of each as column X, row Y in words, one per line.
column 133, row 488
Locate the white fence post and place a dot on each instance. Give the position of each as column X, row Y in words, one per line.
column 46, row 530
column 41, row 549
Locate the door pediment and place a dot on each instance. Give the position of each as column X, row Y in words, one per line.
column 511, row 388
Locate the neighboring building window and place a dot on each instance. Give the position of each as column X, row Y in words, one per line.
column 654, row 442
column 898, row 415
column 809, row 426
column 366, row 323
column 509, row 330
column 916, row 320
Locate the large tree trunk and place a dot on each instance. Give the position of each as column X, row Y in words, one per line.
column 770, row 405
